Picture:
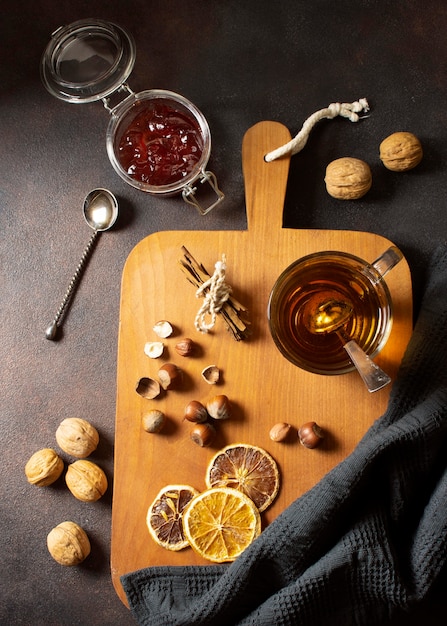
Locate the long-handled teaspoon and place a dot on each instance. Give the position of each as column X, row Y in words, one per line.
column 331, row 316
column 100, row 212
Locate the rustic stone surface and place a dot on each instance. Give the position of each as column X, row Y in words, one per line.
column 240, row 62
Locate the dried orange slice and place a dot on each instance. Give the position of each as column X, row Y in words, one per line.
column 247, row 468
column 220, row 523
column 165, row 516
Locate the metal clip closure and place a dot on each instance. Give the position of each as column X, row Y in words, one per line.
column 106, row 101
column 189, row 193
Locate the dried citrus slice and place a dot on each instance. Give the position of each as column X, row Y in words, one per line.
column 247, row 468
column 165, row 516
column 220, row 523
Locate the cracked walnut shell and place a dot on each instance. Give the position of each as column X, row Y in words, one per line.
column 77, row 437
column 44, row 467
column 86, row 480
column 401, row 151
column 68, row 544
column 348, row 178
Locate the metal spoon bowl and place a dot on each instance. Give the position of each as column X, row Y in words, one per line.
column 100, row 212
column 331, row 316
column 100, row 209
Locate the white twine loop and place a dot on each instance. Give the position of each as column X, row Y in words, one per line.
column 216, row 296
column 344, row 109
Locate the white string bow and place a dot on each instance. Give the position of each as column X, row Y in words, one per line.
column 215, row 292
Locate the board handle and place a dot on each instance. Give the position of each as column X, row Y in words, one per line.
column 265, row 183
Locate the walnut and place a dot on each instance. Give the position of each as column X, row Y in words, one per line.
column 348, row 178
column 44, row 467
column 401, row 151
column 86, row 481
column 77, row 437
column 68, row 544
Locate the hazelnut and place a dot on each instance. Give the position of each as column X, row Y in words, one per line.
column 148, row 388
column 185, row 347
column 68, row 544
column 163, row 329
column 310, row 435
column 153, row 421
column 348, row 178
column 169, row 376
column 44, row 467
column 77, row 437
column 401, row 151
column 195, row 412
column 280, row 431
column 211, row 374
column 203, row 434
column 219, row 407
column 153, row 349
column 86, row 481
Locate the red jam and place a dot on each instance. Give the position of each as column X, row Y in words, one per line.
column 161, row 145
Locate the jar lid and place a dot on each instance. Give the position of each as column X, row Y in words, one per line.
column 87, row 60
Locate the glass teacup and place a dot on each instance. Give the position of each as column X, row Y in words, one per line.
column 338, row 277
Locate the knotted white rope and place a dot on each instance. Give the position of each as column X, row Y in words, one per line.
column 217, row 293
column 344, row 109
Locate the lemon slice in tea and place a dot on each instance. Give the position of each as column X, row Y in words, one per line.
column 165, row 516
column 247, row 468
column 220, row 523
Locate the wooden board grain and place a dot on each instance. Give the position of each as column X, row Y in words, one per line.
column 262, row 385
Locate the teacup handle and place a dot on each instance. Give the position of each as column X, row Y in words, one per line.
column 388, row 260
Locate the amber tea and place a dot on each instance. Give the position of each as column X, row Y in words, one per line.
column 319, row 278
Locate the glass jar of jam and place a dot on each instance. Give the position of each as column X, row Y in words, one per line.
column 157, row 140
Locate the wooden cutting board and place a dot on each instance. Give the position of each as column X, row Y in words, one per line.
column 262, row 385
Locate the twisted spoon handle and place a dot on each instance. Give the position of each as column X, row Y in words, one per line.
column 51, row 331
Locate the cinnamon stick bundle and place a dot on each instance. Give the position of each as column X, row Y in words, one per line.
column 231, row 310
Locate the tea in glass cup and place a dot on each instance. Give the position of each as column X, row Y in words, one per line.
column 338, row 277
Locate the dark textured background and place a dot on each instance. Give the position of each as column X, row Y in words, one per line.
column 241, row 62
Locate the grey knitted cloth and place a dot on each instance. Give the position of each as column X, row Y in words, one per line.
column 369, row 539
